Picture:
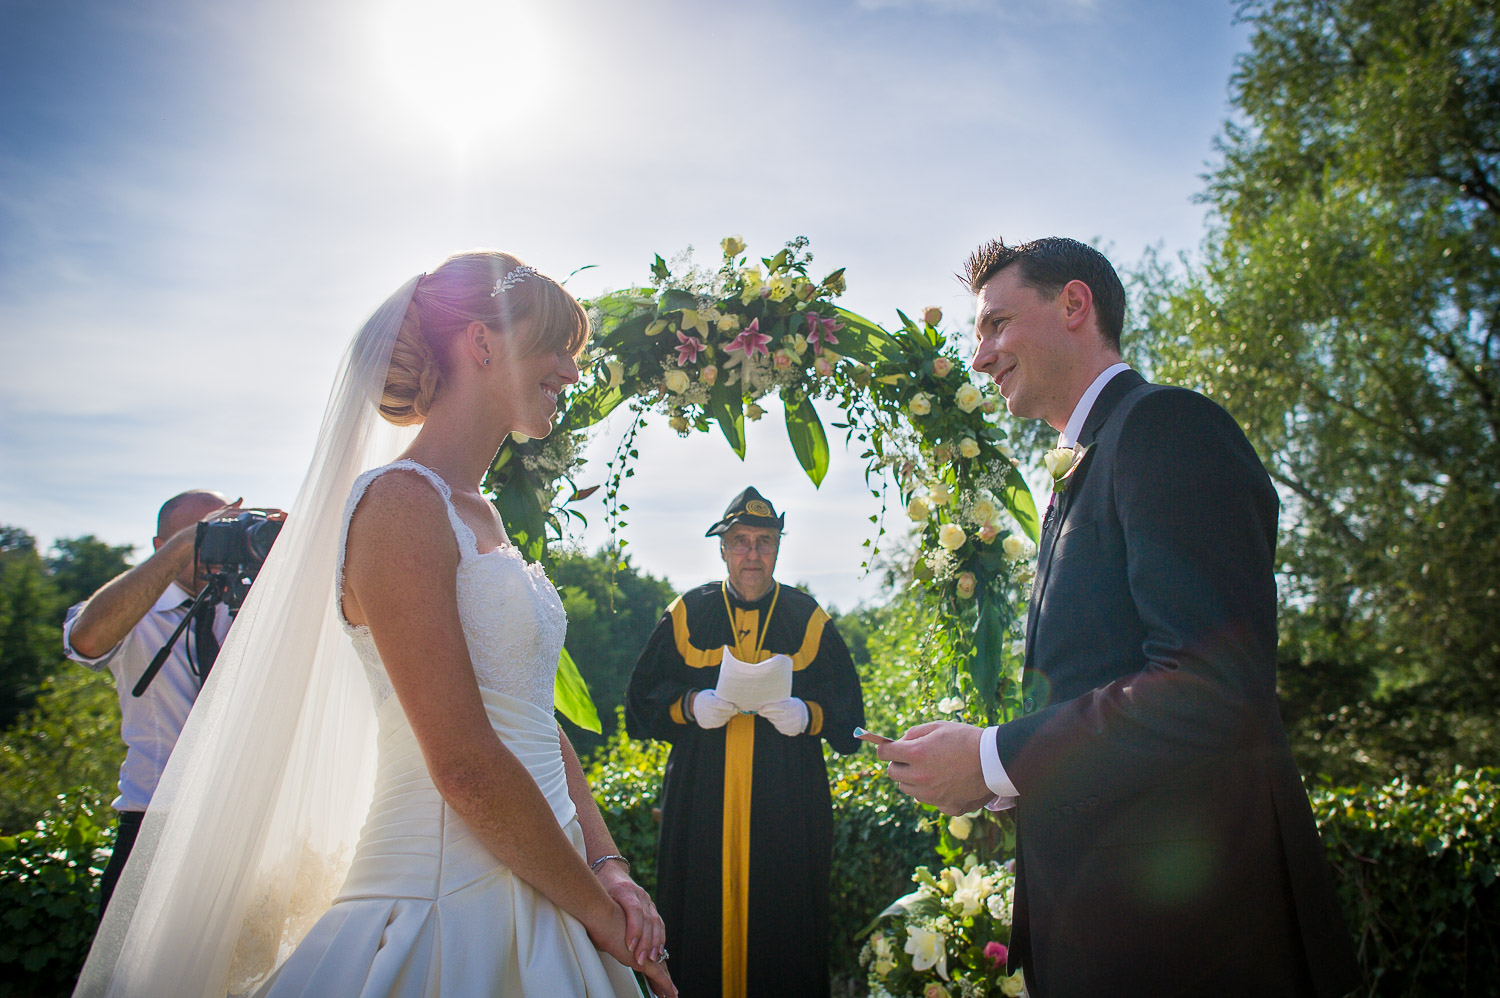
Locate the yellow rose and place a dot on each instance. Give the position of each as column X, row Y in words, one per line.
column 754, row 412
column 968, row 397
column 1015, row 547
column 959, row 826
column 968, row 447
column 966, row 584
column 677, row 382
column 939, row 494
column 918, row 510
column 952, row 536
column 920, row 404
column 733, row 246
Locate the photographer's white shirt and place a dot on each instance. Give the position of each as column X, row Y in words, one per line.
column 151, row 722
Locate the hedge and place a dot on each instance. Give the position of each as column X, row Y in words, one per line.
column 1416, row 870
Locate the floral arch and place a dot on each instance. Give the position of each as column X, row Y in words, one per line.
column 705, row 347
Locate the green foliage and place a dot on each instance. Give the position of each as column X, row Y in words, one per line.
column 80, row 565
column 1416, row 869
column 49, row 891
column 611, row 612
column 69, row 740
column 30, row 639
column 1344, row 309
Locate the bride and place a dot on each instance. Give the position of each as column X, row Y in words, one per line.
column 443, row 842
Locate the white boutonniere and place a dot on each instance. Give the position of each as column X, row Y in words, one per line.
column 1061, row 462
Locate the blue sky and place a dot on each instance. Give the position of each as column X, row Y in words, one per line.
column 200, row 202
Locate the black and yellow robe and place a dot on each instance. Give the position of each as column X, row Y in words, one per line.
column 747, row 825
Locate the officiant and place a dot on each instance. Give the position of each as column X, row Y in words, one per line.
column 746, row 836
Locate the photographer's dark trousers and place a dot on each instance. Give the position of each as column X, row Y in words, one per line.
column 126, row 829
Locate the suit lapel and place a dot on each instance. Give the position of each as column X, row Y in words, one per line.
column 1119, row 386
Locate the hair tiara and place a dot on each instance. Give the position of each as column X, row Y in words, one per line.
column 510, row 280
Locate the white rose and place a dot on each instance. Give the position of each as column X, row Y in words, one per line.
column 939, row 494
column 968, row 447
column 984, row 510
column 918, row 510
column 1057, row 461
column 996, row 904
column 920, row 404
column 952, row 536
column 1015, row 546
column 967, row 397
column 677, row 382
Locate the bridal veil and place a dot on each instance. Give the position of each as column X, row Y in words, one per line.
column 257, row 814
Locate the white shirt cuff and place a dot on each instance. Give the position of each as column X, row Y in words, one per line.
column 994, row 772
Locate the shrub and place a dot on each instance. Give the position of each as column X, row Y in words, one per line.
column 1416, row 870
column 49, row 891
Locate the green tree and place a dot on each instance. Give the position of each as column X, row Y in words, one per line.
column 80, row 565
column 68, row 742
column 1344, row 309
column 30, row 639
column 611, row 613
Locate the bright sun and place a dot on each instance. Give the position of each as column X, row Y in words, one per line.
column 466, row 67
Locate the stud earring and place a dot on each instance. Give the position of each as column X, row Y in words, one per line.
column 486, row 362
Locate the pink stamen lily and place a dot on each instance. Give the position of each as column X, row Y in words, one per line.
column 818, row 336
column 750, row 342
column 689, row 347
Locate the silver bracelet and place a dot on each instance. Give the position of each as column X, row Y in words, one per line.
column 605, row 859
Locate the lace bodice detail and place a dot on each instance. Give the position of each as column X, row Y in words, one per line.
column 512, row 617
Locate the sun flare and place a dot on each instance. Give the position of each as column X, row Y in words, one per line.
column 467, row 68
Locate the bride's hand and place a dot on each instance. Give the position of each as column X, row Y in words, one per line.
column 611, row 939
column 645, row 932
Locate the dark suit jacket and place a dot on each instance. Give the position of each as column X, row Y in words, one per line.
column 1165, row 842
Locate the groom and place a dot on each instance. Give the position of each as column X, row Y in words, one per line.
column 1165, row 845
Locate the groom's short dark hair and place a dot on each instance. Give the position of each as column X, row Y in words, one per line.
column 1047, row 265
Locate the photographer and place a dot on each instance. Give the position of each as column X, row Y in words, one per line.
column 123, row 626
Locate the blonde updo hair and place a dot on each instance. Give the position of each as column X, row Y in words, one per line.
column 461, row 291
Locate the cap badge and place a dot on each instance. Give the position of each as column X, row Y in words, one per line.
column 757, row 508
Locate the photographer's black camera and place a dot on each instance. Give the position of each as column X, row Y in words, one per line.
column 232, row 548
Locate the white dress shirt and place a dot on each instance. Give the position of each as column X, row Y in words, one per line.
column 151, row 722
column 995, row 776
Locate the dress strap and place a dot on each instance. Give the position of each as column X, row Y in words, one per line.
column 467, row 543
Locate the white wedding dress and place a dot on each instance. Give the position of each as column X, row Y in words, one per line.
column 426, row 909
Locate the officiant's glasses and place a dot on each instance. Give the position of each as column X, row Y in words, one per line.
column 744, row 545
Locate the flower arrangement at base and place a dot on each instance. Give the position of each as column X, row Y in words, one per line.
column 949, row 938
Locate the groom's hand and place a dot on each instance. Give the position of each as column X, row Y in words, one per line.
column 938, row 763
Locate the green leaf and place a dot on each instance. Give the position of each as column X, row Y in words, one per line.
column 524, row 519
column 1016, row 495
column 591, row 405
column 989, row 638
column 659, row 269
column 728, row 410
column 570, row 695
column 675, row 299
column 809, row 442
column 865, row 341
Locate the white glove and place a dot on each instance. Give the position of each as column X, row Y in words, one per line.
column 789, row 715
column 711, row 710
